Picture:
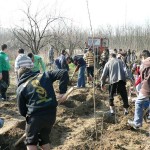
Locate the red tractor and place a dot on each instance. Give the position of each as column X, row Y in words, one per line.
column 99, row 44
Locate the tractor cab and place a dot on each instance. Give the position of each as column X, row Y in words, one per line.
column 99, row 44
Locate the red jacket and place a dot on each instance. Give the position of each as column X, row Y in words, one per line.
column 138, row 81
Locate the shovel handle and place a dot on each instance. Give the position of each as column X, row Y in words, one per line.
column 20, row 140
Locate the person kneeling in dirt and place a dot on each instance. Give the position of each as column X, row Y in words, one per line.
column 144, row 93
column 117, row 78
column 37, row 103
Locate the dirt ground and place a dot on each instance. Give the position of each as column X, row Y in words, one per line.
column 75, row 125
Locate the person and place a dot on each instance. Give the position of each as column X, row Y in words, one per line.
column 128, row 58
column 62, row 61
column 114, row 69
column 115, row 51
column 4, row 71
column 80, row 64
column 120, row 50
column 105, row 56
column 51, row 55
column 129, row 75
column 133, row 56
column 37, row 61
column 144, row 93
column 21, row 60
column 37, row 103
column 137, row 77
column 89, row 58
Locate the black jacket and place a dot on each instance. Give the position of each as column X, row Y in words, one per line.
column 35, row 92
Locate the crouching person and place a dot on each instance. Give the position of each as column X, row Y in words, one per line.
column 144, row 93
column 37, row 103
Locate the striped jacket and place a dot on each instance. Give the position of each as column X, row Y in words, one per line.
column 89, row 58
column 23, row 60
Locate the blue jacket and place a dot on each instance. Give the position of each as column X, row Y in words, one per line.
column 61, row 62
column 35, row 92
column 79, row 61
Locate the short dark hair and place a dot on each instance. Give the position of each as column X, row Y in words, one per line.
column 4, row 46
column 145, row 54
column 113, row 55
column 63, row 51
column 21, row 51
column 30, row 55
column 115, row 50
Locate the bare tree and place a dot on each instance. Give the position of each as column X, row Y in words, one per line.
column 34, row 35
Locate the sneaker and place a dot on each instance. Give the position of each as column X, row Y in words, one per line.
column 76, row 87
column 126, row 113
column 3, row 97
column 134, row 99
column 131, row 123
column 129, row 98
column 112, row 112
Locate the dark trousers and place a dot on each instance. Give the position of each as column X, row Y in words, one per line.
column 38, row 129
column 5, row 78
column 90, row 71
column 119, row 87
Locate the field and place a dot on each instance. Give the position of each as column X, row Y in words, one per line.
column 76, row 128
column 75, row 125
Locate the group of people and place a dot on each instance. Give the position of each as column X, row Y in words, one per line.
column 82, row 63
column 36, row 98
column 117, row 70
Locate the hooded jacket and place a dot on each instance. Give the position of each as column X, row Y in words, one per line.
column 145, row 77
column 35, row 92
column 114, row 69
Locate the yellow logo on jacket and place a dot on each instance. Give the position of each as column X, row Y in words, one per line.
column 42, row 94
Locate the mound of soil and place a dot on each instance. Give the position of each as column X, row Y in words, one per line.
column 76, row 128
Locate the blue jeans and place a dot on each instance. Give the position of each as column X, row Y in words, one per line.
column 81, row 77
column 140, row 103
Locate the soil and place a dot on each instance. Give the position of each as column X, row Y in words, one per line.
column 75, row 127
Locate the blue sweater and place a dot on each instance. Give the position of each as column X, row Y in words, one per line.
column 79, row 61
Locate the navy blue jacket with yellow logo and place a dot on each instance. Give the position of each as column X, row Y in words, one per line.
column 35, row 92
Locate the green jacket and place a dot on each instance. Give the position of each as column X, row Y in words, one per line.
column 4, row 62
column 37, row 62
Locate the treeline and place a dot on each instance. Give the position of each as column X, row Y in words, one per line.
column 71, row 37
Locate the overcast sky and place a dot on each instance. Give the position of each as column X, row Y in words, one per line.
column 103, row 12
